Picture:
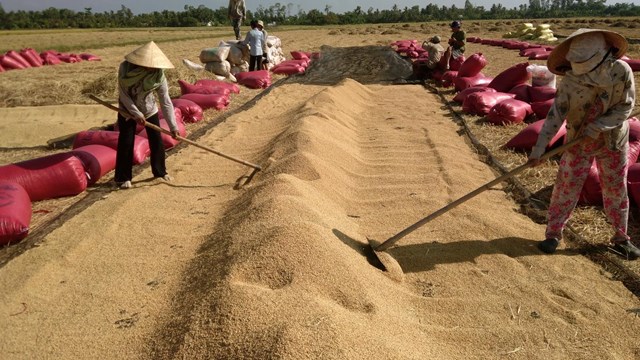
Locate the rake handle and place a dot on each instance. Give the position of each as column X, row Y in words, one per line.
column 392, row 240
column 165, row 131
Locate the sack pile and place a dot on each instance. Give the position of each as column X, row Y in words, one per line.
column 28, row 58
column 527, row 31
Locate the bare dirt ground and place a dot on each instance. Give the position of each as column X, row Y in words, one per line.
column 280, row 268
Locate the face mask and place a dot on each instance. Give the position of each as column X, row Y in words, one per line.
column 590, row 64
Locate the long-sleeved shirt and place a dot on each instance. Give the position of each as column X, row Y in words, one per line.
column 255, row 39
column 139, row 104
column 237, row 9
column 608, row 93
column 435, row 52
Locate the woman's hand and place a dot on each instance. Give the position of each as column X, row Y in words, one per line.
column 140, row 120
column 174, row 134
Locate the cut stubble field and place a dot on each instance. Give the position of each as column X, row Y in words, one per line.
column 279, row 269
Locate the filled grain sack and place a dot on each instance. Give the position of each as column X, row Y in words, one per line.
column 191, row 112
column 462, row 95
column 208, row 101
column 168, row 141
column 526, row 139
column 541, row 108
column 300, row 55
column 233, row 88
column 187, row 88
column 97, row 160
column 448, row 78
column 633, row 183
column 48, row 177
column 218, row 54
column 15, row 212
column 222, row 68
column 472, row 66
column 10, row 63
column 480, row 103
column 110, row 138
column 17, row 57
column 541, row 93
column 506, row 80
column 461, row 83
column 521, row 91
column 50, row 59
column 291, row 69
column 260, row 79
column 509, row 111
column 32, row 57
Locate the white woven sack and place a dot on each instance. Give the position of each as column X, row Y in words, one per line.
column 222, row 68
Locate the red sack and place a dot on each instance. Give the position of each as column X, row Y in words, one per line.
column 260, row 79
column 304, row 63
column 462, row 95
column 205, row 101
column 167, row 140
column 526, row 139
column 541, row 108
column 32, row 57
column 461, row 83
column 472, row 66
column 70, row 59
column 15, row 212
column 288, row 70
column 97, row 160
column 510, row 111
column 300, row 55
column 187, row 88
column 89, row 57
column 634, row 129
column 17, row 57
column 511, row 77
column 233, row 88
column 50, row 59
column 177, row 113
column 10, row 63
column 633, row 183
column 479, row 103
column 633, row 63
column 591, row 193
column 110, row 138
column 540, row 56
column 448, row 77
column 454, row 64
column 541, row 93
column 1, row 68
column 48, row 177
column 521, row 92
column 531, row 51
column 191, row 112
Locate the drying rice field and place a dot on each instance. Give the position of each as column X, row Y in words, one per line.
column 281, row 268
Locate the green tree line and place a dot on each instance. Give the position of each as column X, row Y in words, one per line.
column 289, row 14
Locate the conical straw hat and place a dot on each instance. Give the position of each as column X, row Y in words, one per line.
column 149, row 55
column 557, row 61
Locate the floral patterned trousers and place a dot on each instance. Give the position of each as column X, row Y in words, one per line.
column 572, row 173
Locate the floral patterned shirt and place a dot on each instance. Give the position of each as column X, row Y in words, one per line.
column 600, row 101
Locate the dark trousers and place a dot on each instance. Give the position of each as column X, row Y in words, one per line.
column 236, row 27
column 255, row 63
column 124, row 156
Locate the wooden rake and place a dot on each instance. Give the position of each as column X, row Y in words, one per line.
column 124, row 113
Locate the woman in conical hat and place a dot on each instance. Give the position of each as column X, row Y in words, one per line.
column 596, row 97
column 140, row 76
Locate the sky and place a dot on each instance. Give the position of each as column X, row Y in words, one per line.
column 338, row 6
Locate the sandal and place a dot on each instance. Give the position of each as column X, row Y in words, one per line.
column 627, row 249
column 549, row 245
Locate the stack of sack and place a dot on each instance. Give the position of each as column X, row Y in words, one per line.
column 274, row 51
column 207, row 94
column 409, row 48
column 28, row 58
column 297, row 65
column 218, row 60
column 527, row 31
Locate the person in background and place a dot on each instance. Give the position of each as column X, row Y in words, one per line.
column 139, row 76
column 596, row 97
column 435, row 51
column 237, row 13
column 255, row 39
column 265, row 47
column 457, row 42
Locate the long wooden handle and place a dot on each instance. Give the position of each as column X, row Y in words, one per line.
column 165, row 131
column 392, row 240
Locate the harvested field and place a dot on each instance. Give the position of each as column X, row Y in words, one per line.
column 280, row 268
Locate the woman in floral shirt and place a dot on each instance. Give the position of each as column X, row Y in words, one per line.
column 596, row 97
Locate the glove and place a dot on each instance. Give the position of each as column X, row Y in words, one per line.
column 592, row 131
